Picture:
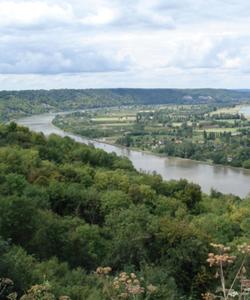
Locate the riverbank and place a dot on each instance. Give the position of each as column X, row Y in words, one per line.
column 174, row 131
column 150, row 152
column 238, row 109
column 224, row 179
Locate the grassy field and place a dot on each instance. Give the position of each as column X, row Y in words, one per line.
column 217, row 130
column 115, row 122
column 108, row 119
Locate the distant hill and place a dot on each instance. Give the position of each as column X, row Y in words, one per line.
column 18, row 103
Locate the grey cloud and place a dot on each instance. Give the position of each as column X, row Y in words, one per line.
column 42, row 61
column 137, row 14
column 200, row 11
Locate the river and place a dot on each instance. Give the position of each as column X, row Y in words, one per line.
column 245, row 111
column 224, row 179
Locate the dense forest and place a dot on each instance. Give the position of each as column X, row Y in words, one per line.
column 78, row 223
column 14, row 104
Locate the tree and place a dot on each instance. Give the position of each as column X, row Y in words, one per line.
column 18, row 219
column 246, row 164
column 132, row 232
column 114, row 200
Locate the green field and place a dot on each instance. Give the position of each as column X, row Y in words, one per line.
column 218, row 130
column 201, row 132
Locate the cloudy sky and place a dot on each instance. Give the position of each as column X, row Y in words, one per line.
column 124, row 43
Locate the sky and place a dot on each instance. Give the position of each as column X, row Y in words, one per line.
column 124, row 43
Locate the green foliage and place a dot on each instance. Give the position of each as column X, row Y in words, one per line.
column 188, row 131
column 131, row 231
column 114, row 200
column 14, row 104
column 66, row 209
column 18, row 219
column 246, row 164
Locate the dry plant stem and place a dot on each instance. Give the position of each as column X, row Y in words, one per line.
column 240, row 297
column 237, row 274
column 1, row 292
column 223, row 281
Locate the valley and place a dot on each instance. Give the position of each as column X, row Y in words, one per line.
column 224, row 179
column 199, row 132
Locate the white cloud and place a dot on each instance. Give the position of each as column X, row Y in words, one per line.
column 31, row 13
column 145, row 42
column 102, row 16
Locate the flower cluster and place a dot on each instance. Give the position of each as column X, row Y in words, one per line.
column 244, row 248
column 39, row 291
column 103, row 270
column 6, row 286
column 222, row 258
column 218, row 259
column 207, row 296
column 128, row 285
column 233, row 294
column 124, row 286
column 5, row 282
column 220, row 247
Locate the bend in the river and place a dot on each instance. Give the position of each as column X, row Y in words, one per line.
column 222, row 178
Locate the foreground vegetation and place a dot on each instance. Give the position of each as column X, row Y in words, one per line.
column 200, row 132
column 78, row 222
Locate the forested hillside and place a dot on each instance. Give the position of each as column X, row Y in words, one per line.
column 14, row 104
column 67, row 210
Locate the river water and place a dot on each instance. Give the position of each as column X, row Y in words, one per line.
column 245, row 111
column 224, row 179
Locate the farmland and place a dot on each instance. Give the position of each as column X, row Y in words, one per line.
column 199, row 132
